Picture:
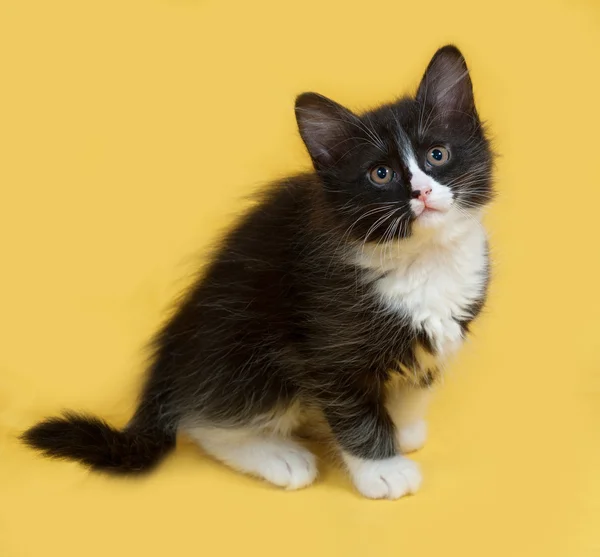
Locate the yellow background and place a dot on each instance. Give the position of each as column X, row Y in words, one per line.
column 130, row 132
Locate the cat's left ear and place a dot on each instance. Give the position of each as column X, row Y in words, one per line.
column 325, row 127
column 446, row 84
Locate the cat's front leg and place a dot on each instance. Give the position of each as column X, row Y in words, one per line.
column 407, row 406
column 366, row 437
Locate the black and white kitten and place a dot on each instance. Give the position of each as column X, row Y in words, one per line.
column 337, row 298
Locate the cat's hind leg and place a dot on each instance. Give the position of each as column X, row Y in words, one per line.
column 262, row 448
column 267, row 455
column 407, row 406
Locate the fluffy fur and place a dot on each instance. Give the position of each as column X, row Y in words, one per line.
column 338, row 297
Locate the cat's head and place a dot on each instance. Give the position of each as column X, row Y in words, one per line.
column 422, row 162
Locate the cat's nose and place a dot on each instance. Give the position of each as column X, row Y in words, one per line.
column 422, row 194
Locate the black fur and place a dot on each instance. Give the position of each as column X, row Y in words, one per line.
column 93, row 442
column 281, row 315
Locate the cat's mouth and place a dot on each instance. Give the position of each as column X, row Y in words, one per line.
column 426, row 210
column 429, row 216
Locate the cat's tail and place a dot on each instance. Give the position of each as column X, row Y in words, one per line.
column 96, row 444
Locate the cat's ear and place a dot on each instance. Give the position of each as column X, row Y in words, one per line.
column 446, row 84
column 325, row 127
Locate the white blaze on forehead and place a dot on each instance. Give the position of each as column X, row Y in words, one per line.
column 420, row 180
column 440, row 198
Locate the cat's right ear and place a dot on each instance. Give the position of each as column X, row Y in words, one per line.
column 325, row 127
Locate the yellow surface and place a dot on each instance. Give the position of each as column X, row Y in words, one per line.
column 131, row 130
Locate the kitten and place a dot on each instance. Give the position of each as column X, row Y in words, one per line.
column 338, row 297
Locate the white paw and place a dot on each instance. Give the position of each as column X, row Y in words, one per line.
column 411, row 437
column 287, row 466
column 391, row 478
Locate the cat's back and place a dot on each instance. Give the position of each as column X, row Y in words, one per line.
column 269, row 238
column 251, row 280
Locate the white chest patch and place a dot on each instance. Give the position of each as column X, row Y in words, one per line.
column 433, row 278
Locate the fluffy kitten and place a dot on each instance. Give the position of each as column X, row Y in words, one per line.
column 338, row 297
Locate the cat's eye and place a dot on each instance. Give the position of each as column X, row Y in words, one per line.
column 381, row 175
column 438, row 155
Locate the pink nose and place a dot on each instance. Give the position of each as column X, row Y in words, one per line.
column 422, row 195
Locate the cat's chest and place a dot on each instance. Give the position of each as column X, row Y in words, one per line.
column 436, row 289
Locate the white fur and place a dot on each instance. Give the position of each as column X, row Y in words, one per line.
column 281, row 461
column 412, row 436
column 436, row 273
column 440, row 199
column 407, row 406
column 430, row 277
column 390, row 478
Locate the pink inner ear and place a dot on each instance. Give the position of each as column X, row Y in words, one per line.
column 324, row 125
column 447, row 83
column 324, row 135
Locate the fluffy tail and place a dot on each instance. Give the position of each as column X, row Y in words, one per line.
column 91, row 441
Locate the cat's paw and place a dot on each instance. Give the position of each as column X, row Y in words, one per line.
column 411, row 437
column 287, row 466
column 390, row 478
